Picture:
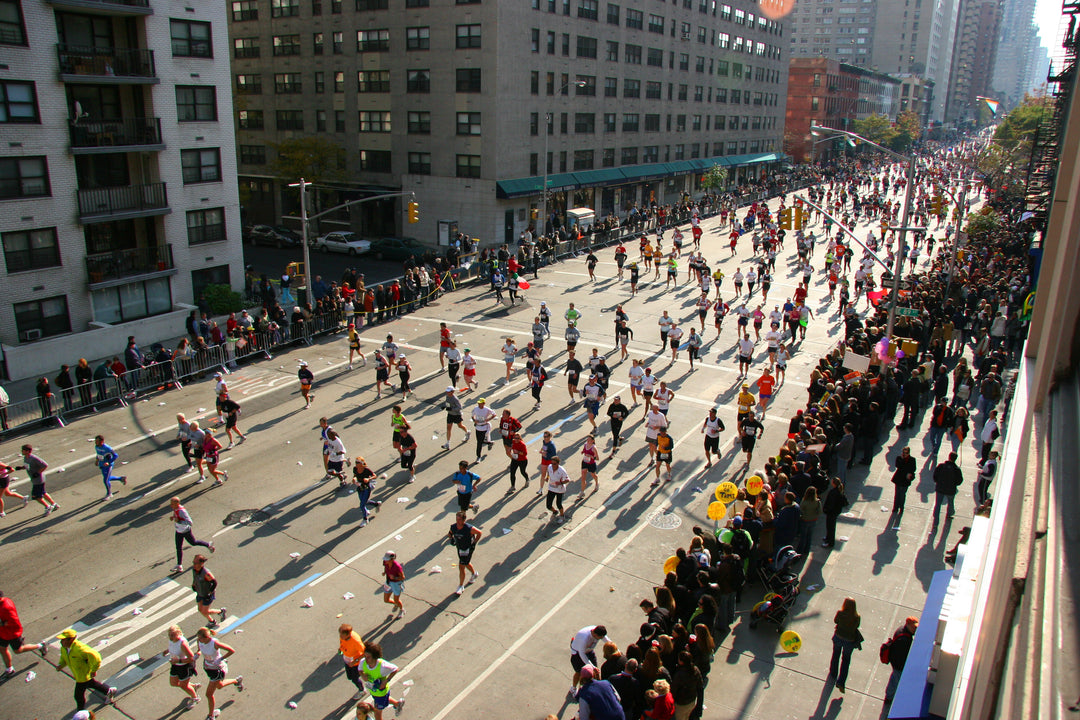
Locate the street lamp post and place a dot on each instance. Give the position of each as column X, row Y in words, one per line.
column 549, row 119
column 304, row 233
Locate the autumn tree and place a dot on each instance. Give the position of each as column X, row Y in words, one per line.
column 715, row 178
column 315, row 159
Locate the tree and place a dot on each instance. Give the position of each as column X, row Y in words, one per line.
column 983, row 224
column 315, row 159
column 875, row 128
column 714, row 178
column 908, row 128
column 1017, row 130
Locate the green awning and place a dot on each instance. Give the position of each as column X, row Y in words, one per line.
column 603, row 176
column 524, row 187
column 750, row 159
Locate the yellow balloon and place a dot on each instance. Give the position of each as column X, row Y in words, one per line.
column 717, row 511
column 754, row 484
column 726, row 492
column 790, row 641
column 670, row 564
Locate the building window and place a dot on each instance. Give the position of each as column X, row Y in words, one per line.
column 534, row 82
column 652, row 90
column 611, row 87
column 316, row 8
column 207, row 226
column 246, row 47
column 419, row 123
column 630, row 122
column 42, row 318
column 245, row 10
column 320, row 121
column 419, row 81
column 417, row 38
column 629, row 156
column 585, row 85
column 635, row 19
column 467, row 2
column 650, row 154
column 468, row 80
column 588, row 9
column 375, row 121
column 609, row 122
column 287, row 84
column 680, row 151
column 550, row 43
column 583, row 159
column 191, row 39
column 534, row 164
column 633, row 54
column 682, row 92
column 339, row 81
column 18, row 102
column 612, row 14
column 251, row 120
column 289, row 119
column 534, row 124
column 612, row 51
column 362, row 5
column 339, row 43
column 132, row 301
column 566, row 42
column 534, row 39
column 420, row 163
column 586, row 47
column 631, row 88
column 680, row 123
column 468, row 36
column 372, row 40
column 417, row 3
column 375, row 160
column 608, row 158
column 286, row 45
column 320, row 82
column 284, row 8
column 373, row 81
column 468, row 166
column 468, row 123
column 652, row 122
column 318, row 43
column 654, row 57
column 24, row 178
column 584, row 123
column 12, row 30
column 202, row 165
column 335, row 7
column 656, row 24
column 814, row 105
column 339, row 121
column 196, row 103
column 31, row 249
column 684, row 62
column 249, row 84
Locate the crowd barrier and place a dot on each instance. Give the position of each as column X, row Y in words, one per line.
column 56, row 409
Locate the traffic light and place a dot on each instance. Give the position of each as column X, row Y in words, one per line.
column 799, row 218
column 785, row 218
column 414, row 211
column 937, row 205
column 534, row 213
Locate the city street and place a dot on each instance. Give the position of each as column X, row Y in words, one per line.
column 293, row 562
column 272, row 261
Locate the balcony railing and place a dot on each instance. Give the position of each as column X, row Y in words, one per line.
column 123, row 7
column 110, row 201
column 105, row 61
column 120, row 264
column 116, row 133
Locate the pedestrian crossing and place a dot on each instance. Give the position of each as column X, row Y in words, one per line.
column 131, row 635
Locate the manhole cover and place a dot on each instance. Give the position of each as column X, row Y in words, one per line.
column 251, row 517
column 665, row 521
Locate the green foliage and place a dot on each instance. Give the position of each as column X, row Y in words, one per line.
column 1018, row 129
column 876, row 128
column 313, row 158
column 983, row 224
column 908, row 129
column 714, row 177
column 222, row 299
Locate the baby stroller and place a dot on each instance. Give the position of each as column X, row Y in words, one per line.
column 781, row 583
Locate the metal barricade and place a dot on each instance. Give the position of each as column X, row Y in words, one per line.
column 38, row 412
column 89, row 396
column 250, row 345
column 155, row 377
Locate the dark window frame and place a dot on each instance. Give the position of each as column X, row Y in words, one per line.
column 30, row 258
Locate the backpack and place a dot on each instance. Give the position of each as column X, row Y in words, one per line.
column 738, row 571
column 741, row 544
column 883, row 652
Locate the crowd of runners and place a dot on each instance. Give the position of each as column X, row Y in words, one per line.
column 966, row 328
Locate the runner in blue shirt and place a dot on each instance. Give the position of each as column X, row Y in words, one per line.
column 106, row 458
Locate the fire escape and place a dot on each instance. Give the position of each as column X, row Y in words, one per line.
column 1046, row 146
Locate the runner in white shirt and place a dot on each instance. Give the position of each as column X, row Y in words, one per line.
column 737, row 279
column 674, row 337
column 654, row 420
column 558, row 479
column 663, row 398
column 782, row 357
column 665, row 324
column 648, row 386
column 711, row 428
column 582, row 650
column 509, row 351
column 636, row 373
column 776, row 316
column 772, row 339
column 746, row 353
column 482, row 416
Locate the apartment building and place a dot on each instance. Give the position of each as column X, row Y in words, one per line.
column 974, row 55
column 472, row 104
column 842, row 30
column 118, row 195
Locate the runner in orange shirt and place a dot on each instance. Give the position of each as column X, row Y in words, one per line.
column 765, row 384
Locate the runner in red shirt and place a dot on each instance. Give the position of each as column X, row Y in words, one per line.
column 444, row 344
column 11, row 636
column 765, row 384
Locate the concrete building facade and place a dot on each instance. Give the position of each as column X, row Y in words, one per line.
column 468, row 102
column 1017, row 43
column 974, row 55
column 118, row 197
column 842, row 30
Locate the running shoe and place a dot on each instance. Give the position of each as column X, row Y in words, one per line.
column 401, row 704
column 363, row 523
column 221, row 618
column 178, row 569
column 475, row 577
column 25, row 500
column 56, row 506
column 48, row 509
column 212, row 549
column 43, row 648
column 202, row 479
column 446, row 446
column 460, row 589
column 110, row 697
column 239, row 683
column 229, row 446
column 123, row 479
column 109, row 496
column 9, row 673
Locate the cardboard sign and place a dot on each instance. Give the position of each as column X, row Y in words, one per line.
column 856, row 363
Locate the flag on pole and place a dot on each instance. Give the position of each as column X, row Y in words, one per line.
column 852, row 142
column 992, row 104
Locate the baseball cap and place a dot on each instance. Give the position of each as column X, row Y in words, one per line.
column 449, row 388
column 543, row 302
column 217, row 375
column 303, row 363
column 81, row 715
column 736, row 521
column 481, row 400
column 588, row 672
column 66, row 634
column 390, row 555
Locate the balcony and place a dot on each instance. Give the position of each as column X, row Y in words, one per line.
column 90, row 64
column 119, row 203
column 106, row 7
column 120, row 265
column 116, row 136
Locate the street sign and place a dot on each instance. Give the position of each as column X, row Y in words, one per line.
column 907, row 312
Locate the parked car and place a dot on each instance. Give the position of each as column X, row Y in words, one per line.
column 391, row 248
column 277, row 236
column 343, row 242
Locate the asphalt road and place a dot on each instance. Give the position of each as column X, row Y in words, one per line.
column 272, row 261
column 499, row 650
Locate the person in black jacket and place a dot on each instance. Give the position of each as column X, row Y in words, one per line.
column 947, row 478
column 833, row 504
column 903, row 476
column 899, row 646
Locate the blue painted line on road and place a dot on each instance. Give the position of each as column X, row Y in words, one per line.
column 274, row 601
column 553, row 428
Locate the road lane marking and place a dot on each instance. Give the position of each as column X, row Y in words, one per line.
column 365, row 551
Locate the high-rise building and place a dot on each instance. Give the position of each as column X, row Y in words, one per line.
column 842, row 30
column 974, row 54
column 1017, row 43
column 471, row 104
column 118, row 194
column 917, row 36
